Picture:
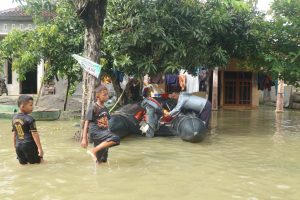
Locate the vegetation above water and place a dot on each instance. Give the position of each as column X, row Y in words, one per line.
column 141, row 37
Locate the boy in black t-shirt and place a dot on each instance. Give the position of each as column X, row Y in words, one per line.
column 26, row 138
column 96, row 124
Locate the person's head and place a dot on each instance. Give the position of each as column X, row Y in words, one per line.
column 101, row 93
column 174, row 95
column 25, row 103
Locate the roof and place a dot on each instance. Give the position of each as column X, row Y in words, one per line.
column 17, row 12
column 20, row 12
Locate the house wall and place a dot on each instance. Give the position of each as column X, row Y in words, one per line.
column 14, row 88
column 61, row 88
column 8, row 25
column 232, row 66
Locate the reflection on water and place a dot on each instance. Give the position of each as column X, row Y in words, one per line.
column 248, row 155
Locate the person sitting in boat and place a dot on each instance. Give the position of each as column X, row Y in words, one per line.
column 153, row 113
column 189, row 102
column 97, row 125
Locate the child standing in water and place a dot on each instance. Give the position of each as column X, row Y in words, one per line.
column 96, row 124
column 25, row 136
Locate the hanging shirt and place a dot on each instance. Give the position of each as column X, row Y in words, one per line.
column 192, row 83
column 182, row 81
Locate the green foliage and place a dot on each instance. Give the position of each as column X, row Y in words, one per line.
column 285, row 40
column 53, row 40
column 279, row 52
column 166, row 35
column 145, row 36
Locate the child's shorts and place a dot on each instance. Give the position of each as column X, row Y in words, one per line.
column 104, row 136
column 28, row 153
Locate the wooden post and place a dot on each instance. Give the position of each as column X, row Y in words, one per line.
column 280, row 95
column 215, row 90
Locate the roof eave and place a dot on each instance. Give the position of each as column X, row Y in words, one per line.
column 13, row 18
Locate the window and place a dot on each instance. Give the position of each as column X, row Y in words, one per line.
column 13, row 26
column 5, row 27
column 9, row 71
column 21, row 26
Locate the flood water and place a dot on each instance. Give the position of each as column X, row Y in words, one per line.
column 248, row 155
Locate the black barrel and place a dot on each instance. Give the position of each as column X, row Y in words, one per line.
column 123, row 121
column 190, row 128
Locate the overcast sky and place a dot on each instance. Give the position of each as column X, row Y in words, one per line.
column 5, row 4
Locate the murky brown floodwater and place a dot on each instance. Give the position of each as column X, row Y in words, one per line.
column 249, row 155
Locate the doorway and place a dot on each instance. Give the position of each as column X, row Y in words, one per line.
column 238, row 88
column 29, row 85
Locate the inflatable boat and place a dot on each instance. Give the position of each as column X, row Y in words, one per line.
column 146, row 118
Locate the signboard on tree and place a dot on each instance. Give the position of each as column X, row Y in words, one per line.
column 88, row 65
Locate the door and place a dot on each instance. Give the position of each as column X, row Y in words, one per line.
column 237, row 88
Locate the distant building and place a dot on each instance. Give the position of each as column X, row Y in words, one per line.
column 16, row 18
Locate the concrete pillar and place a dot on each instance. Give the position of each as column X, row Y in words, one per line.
column 215, row 90
column 40, row 74
column 280, row 95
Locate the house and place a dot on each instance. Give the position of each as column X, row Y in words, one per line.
column 234, row 88
column 16, row 18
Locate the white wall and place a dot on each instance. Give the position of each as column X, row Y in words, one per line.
column 14, row 88
column 7, row 26
column 271, row 96
column 61, row 87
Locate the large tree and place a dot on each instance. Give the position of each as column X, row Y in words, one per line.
column 92, row 13
column 278, row 49
column 54, row 39
column 284, row 40
column 152, row 36
column 165, row 35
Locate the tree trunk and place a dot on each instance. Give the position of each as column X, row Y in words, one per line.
column 92, row 13
column 41, row 86
column 67, row 94
column 127, row 93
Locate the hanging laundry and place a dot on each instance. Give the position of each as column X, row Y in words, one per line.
column 172, row 83
column 202, row 79
column 182, row 82
column 192, row 83
column 119, row 75
column 260, row 81
column 268, row 83
column 157, row 79
column 124, row 81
